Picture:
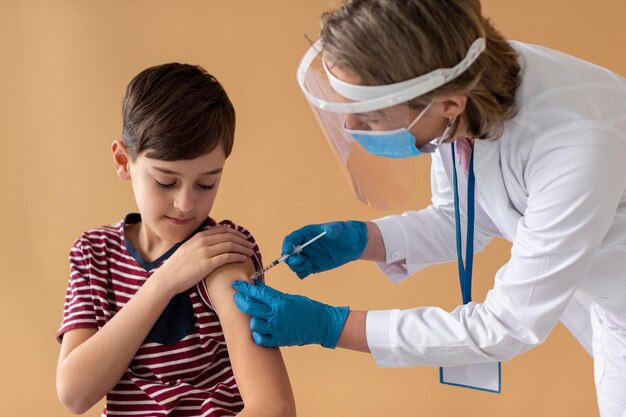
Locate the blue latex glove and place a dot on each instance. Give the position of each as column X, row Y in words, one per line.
column 280, row 319
column 344, row 242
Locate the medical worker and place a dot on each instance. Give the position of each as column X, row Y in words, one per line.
column 527, row 144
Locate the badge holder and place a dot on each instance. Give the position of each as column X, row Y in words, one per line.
column 480, row 376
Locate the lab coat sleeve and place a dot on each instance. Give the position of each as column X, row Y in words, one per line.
column 417, row 239
column 575, row 181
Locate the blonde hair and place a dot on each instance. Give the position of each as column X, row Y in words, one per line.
column 388, row 41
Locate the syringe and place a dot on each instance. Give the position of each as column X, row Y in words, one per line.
column 297, row 249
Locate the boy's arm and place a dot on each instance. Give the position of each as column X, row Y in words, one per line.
column 92, row 361
column 260, row 372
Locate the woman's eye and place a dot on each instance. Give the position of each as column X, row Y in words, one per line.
column 160, row 184
column 206, row 187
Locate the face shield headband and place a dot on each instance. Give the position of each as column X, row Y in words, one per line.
column 369, row 98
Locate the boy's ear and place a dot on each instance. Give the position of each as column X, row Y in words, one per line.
column 121, row 160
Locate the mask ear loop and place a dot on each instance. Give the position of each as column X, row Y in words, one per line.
column 419, row 116
column 444, row 135
column 434, row 144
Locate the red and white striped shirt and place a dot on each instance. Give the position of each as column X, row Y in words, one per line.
column 189, row 376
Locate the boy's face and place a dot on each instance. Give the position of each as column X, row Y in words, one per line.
column 173, row 197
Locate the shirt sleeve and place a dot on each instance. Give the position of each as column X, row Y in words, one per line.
column 417, row 239
column 257, row 261
column 575, row 182
column 78, row 310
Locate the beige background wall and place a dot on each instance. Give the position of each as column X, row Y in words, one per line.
column 63, row 69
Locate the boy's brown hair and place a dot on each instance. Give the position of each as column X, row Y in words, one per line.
column 176, row 112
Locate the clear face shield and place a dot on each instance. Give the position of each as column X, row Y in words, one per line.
column 369, row 128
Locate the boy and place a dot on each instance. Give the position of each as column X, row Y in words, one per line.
column 140, row 322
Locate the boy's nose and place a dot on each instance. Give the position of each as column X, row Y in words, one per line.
column 184, row 201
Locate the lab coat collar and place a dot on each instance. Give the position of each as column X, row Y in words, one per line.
column 490, row 184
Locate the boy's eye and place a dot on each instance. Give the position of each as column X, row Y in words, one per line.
column 160, row 184
column 170, row 185
column 206, row 187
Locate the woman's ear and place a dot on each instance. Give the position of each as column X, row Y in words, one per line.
column 453, row 105
column 121, row 160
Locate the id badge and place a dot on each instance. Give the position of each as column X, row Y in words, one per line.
column 479, row 376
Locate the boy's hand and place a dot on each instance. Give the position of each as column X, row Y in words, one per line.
column 201, row 255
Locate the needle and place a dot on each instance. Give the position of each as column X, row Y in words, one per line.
column 297, row 249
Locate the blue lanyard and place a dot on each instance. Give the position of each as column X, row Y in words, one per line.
column 465, row 271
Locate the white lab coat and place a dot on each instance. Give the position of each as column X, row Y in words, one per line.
column 554, row 185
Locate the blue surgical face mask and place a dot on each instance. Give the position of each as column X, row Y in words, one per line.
column 397, row 143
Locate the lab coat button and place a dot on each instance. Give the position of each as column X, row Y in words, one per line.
column 395, row 256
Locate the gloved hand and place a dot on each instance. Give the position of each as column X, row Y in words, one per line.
column 280, row 319
column 344, row 242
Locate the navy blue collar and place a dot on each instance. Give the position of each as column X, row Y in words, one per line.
column 133, row 218
column 177, row 319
